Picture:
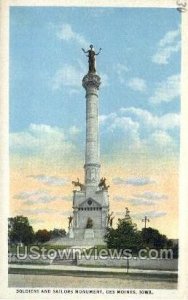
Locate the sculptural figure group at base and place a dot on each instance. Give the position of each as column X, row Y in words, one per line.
column 110, row 219
column 70, row 218
column 102, row 184
column 79, row 184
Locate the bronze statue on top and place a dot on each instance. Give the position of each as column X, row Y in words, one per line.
column 91, row 55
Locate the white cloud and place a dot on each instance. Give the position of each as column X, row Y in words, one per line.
column 152, row 195
column 121, row 70
column 140, row 201
column 27, row 194
column 66, row 33
column 128, row 129
column 162, row 140
column 50, row 180
column 123, row 126
column 156, row 214
column 104, row 79
column 168, row 45
column 119, row 198
column 142, row 131
column 164, row 54
column 147, row 198
column 68, row 76
column 137, row 84
column 73, row 130
column 167, row 90
column 126, row 124
column 150, row 214
column 139, row 181
column 41, row 140
column 135, row 181
column 66, row 213
column 103, row 119
column 118, row 180
column 66, row 198
column 35, row 196
column 169, row 37
column 147, row 119
column 139, row 216
column 38, row 211
column 168, row 121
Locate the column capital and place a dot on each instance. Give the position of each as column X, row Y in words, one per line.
column 91, row 80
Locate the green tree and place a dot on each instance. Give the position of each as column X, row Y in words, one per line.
column 125, row 236
column 42, row 235
column 20, row 231
column 152, row 238
column 56, row 233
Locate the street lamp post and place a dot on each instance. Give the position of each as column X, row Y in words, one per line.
column 145, row 220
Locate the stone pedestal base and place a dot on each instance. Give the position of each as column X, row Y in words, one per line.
column 89, row 233
column 71, row 233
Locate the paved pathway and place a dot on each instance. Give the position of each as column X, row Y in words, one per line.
column 90, row 269
column 70, row 281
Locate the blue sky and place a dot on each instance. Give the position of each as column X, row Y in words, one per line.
column 139, row 65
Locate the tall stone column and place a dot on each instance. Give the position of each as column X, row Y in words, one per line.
column 91, row 83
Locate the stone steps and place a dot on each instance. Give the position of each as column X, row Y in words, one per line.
column 67, row 257
column 76, row 242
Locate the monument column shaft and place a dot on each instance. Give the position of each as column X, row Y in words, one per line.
column 91, row 84
column 92, row 128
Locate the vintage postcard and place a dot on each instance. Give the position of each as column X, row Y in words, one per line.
column 94, row 149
